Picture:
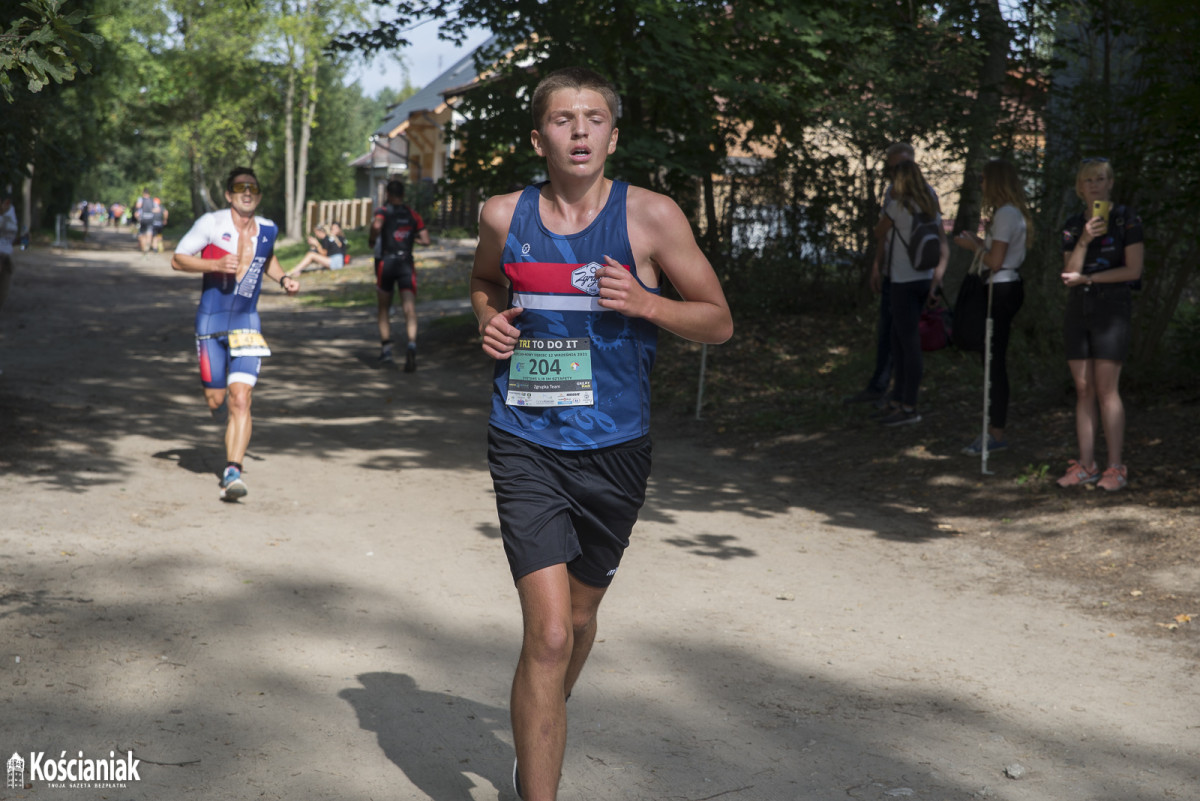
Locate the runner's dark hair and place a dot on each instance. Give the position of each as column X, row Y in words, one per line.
column 579, row 78
column 234, row 173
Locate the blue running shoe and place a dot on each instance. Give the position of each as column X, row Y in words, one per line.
column 976, row 447
column 232, row 486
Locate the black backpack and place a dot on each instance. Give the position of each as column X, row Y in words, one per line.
column 924, row 244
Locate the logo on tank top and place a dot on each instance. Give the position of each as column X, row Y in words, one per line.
column 584, row 278
column 525, row 249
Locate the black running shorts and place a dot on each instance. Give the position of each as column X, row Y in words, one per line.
column 567, row 507
column 1098, row 322
column 395, row 271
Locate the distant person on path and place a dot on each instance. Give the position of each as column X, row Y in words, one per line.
column 10, row 233
column 912, row 289
column 566, row 286
column 234, row 250
column 161, row 215
column 327, row 250
column 1007, row 236
column 393, row 231
column 881, row 283
column 143, row 209
column 1103, row 252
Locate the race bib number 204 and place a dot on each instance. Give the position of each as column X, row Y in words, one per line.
column 551, row 372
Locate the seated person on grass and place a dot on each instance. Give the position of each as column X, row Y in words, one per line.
column 326, row 251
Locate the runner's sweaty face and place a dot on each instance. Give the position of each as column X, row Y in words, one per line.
column 577, row 134
column 244, row 203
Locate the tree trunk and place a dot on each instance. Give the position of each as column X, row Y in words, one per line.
column 27, row 202
column 712, row 230
column 310, row 114
column 985, row 113
column 289, row 156
column 199, row 190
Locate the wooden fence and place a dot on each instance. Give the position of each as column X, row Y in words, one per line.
column 351, row 214
column 461, row 211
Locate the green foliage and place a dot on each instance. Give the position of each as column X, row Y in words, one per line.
column 46, row 45
column 709, row 89
column 1032, row 474
column 765, row 119
column 180, row 92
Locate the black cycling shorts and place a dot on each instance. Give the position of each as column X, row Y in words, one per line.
column 395, row 271
column 567, row 507
column 1098, row 322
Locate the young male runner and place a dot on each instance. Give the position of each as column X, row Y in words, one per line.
column 234, row 250
column 566, row 287
column 393, row 231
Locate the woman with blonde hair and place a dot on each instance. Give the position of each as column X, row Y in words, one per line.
column 1102, row 253
column 912, row 289
column 1000, row 253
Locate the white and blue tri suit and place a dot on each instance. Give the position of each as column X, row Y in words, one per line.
column 228, row 304
column 580, row 378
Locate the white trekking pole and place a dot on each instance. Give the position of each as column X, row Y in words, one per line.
column 987, row 377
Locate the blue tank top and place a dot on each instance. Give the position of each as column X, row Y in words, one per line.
column 550, row 277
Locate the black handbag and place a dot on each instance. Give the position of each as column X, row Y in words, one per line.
column 970, row 314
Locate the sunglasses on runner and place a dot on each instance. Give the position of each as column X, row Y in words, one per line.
column 1095, row 160
column 242, row 186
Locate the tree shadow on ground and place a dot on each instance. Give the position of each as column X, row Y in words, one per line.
column 218, row 687
column 121, row 365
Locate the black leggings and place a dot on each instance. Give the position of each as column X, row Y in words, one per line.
column 1006, row 302
column 908, row 365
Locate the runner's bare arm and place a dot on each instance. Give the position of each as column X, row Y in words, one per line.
column 662, row 240
column 373, row 231
column 275, row 273
column 489, row 286
column 195, row 264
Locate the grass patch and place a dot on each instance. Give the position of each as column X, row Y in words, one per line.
column 453, row 321
column 789, row 374
column 354, row 287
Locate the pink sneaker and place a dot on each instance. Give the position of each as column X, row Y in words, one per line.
column 1114, row 478
column 1078, row 474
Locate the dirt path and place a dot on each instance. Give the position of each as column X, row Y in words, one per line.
column 348, row 631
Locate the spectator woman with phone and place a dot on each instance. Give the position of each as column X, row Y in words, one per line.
column 1102, row 254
